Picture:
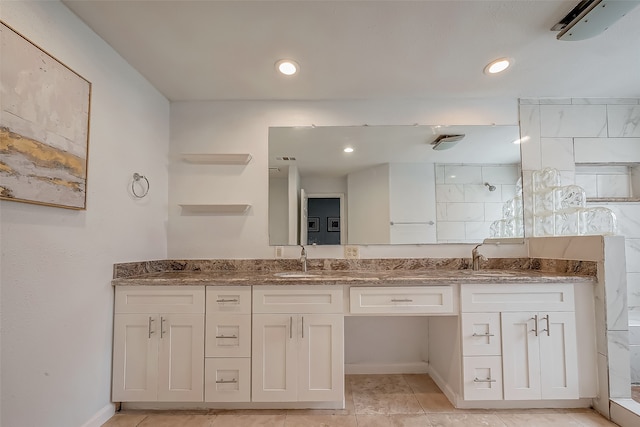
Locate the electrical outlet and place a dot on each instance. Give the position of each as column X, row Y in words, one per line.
column 279, row 252
column 351, row 252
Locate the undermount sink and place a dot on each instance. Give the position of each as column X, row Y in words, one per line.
column 297, row 274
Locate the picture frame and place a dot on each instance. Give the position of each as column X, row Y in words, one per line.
column 333, row 224
column 44, row 126
column 313, row 224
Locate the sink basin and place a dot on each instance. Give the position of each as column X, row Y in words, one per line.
column 295, row 274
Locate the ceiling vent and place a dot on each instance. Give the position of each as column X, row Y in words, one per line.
column 592, row 17
column 444, row 142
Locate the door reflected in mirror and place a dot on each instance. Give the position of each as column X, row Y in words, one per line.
column 390, row 184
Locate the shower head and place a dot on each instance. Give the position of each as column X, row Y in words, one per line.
column 491, row 187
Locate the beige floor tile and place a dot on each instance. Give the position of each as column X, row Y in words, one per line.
column 385, row 403
column 421, row 383
column 464, row 420
column 535, row 420
column 125, row 420
column 434, row 402
column 175, row 420
column 399, row 420
column 320, row 421
column 379, row 384
column 242, row 420
column 592, row 419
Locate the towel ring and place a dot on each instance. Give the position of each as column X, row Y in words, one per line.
column 136, row 178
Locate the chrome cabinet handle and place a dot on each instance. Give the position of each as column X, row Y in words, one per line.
column 303, row 327
column 233, row 381
column 548, row 327
column 224, row 336
column 290, row 327
column 227, row 300
column 483, row 335
column 162, row 320
column 402, row 300
column 535, row 324
column 150, row 331
column 487, row 380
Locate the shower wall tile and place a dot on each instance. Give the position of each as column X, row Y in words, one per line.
column 588, row 183
column 530, row 132
column 449, row 193
column 557, row 153
column 507, row 192
column 633, row 291
column 634, row 356
column 573, row 121
column 480, row 193
column 439, row 170
column 613, row 186
column 465, row 212
column 492, row 211
column 632, row 252
column 606, row 150
column 555, row 101
column 615, row 277
column 624, row 120
column 451, row 231
column 462, row 174
column 441, row 211
column 619, row 372
column 628, row 217
column 501, row 174
column 476, row 231
column 605, row 101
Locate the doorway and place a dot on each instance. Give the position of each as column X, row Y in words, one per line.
column 325, row 224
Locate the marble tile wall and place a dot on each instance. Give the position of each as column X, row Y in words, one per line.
column 465, row 207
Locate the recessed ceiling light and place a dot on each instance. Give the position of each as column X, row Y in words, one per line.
column 348, row 150
column 288, row 67
column 497, row 66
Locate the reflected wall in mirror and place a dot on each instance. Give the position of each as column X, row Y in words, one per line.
column 390, row 186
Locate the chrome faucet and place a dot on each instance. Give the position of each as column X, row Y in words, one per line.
column 476, row 256
column 303, row 258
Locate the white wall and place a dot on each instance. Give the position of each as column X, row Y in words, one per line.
column 368, row 201
column 56, row 296
column 242, row 126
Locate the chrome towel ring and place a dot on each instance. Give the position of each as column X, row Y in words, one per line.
column 137, row 178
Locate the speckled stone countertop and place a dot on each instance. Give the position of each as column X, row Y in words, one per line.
column 349, row 277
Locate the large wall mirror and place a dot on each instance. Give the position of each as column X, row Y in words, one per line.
column 389, row 184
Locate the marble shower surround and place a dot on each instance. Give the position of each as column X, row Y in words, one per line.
column 131, row 269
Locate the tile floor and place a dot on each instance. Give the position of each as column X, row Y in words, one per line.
column 371, row 401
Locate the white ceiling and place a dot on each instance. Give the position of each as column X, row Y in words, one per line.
column 226, row 50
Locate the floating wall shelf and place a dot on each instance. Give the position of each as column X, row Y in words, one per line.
column 217, row 209
column 217, row 159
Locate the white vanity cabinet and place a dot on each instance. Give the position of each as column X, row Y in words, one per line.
column 228, row 344
column 298, row 344
column 158, row 347
column 536, row 329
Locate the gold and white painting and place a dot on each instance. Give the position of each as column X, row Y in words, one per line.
column 44, row 126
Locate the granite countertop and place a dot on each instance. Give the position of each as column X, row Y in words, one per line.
column 351, row 277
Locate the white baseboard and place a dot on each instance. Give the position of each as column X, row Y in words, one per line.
column 101, row 417
column 382, row 368
column 446, row 388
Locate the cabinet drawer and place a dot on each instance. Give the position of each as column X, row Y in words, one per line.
column 481, row 334
column 159, row 299
column 403, row 300
column 228, row 335
column 517, row 297
column 482, row 378
column 229, row 299
column 227, row 379
column 298, row 299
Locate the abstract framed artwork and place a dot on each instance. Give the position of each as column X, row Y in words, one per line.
column 44, row 126
column 313, row 224
column 333, row 224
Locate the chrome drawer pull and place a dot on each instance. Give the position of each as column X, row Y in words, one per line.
column 224, row 336
column 150, row 331
column 402, row 300
column 548, row 326
column 535, row 324
column 488, row 380
column 482, row 335
column 233, row 381
column 227, row 300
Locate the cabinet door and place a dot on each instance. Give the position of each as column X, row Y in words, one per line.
column 135, row 358
column 520, row 356
column 320, row 357
column 558, row 355
column 274, row 358
column 181, row 358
